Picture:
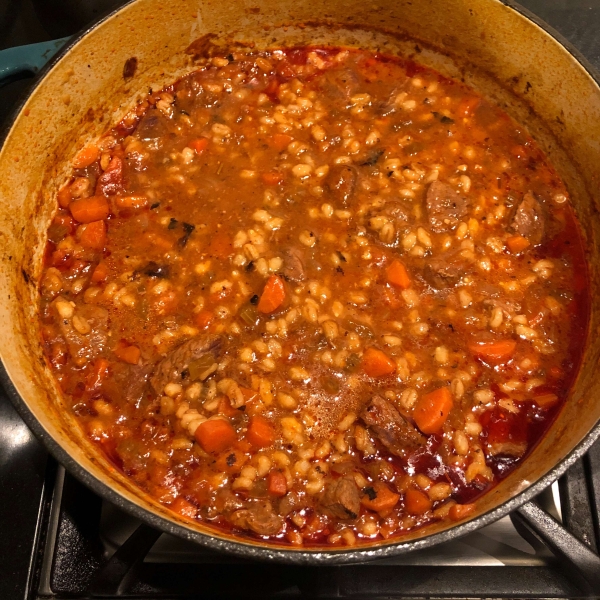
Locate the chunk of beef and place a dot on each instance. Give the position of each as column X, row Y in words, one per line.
column 110, row 182
column 291, row 502
column 170, row 368
column 339, row 83
column 341, row 182
column 529, row 220
column 293, row 265
column 128, row 381
column 342, row 498
column 260, row 518
column 511, row 449
column 445, row 271
column 445, row 207
column 83, row 347
column 390, row 427
column 152, row 126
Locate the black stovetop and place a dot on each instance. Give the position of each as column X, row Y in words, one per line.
column 59, row 540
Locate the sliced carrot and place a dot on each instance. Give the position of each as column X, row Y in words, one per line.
column 204, row 318
column 127, row 353
column 64, row 196
column 431, row 410
column 458, row 512
column 184, row 508
column 97, row 374
column 517, row 243
column 199, row 145
column 90, row 209
column 376, row 363
column 272, row 178
column 86, row 157
column 100, row 273
column 261, row 432
column 249, row 395
column 215, row 435
column 416, row 502
column 544, row 400
column 273, row 295
column 280, row 141
column 231, row 461
column 224, row 408
column 220, row 246
column 92, row 235
column 130, row 202
column 379, row 497
column 397, row 275
column 276, row 483
column 498, row 351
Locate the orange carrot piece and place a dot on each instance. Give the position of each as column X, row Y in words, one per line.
column 249, row 395
column 276, row 484
column 220, row 246
column 379, row 498
column 280, row 141
column 199, row 145
column 128, row 354
column 496, row 352
column 397, row 275
column 416, row 502
column 204, row 318
column 64, row 196
column 273, row 295
column 97, row 374
column 261, row 432
column 272, row 178
column 100, row 273
column 544, row 400
column 184, row 508
column 517, row 243
column 431, row 410
column 92, row 235
column 215, row 435
column 231, row 461
column 376, row 363
column 90, row 209
column 458, row 512
column 224, row 408
column 86, row 157
column 130, row 202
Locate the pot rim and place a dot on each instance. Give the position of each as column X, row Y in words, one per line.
column 240, row 547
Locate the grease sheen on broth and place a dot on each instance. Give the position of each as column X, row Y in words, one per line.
column 317, row 296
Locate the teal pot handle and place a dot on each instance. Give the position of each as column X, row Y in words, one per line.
column 28, row 59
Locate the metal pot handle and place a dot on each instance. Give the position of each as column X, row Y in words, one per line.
column 573, row 555
column 27, row 59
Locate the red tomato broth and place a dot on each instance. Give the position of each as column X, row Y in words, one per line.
column 188, row 231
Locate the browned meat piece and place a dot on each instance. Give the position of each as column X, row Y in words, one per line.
column 512, row 449
column 291, row 502
column 445, row 271
column 293, row 265
column 445, row 207
column 392, row 429
column 170, row 368
column 341, row 182
column 342, row 498
column 529, row 220
column 226, row 501
column 341, row 83
column 83, row 346
column 259, row 518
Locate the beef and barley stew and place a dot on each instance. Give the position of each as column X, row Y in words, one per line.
column 315, row 296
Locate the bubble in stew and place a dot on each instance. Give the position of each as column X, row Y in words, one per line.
column 314, row 296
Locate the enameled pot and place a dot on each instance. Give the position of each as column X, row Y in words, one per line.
column 494, row 46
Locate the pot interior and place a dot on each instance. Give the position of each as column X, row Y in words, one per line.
column 485, row 43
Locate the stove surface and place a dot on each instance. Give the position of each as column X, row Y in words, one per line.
column 57, row 536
